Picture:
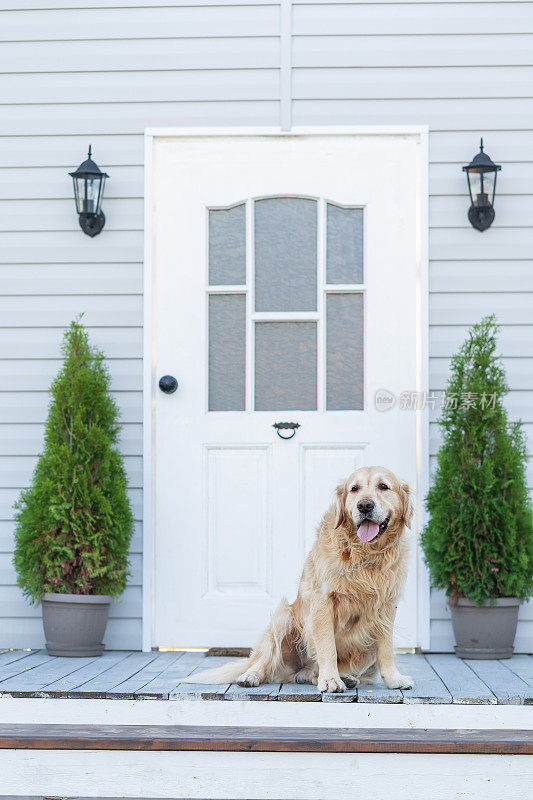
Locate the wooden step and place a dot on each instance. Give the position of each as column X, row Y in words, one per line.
column 265, row 740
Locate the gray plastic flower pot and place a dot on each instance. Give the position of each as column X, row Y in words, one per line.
column 74, row 624
column 486, row 631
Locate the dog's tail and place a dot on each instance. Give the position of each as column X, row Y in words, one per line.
column 227, row 673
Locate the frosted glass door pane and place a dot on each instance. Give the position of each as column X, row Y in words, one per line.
column 285, row 366
column 227, row 352
column 227, row 246
column 285, row 254
column 344, row 352
column 344, row 245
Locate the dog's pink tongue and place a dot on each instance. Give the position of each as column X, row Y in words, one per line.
column 367, row 530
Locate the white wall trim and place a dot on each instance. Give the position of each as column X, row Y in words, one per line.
column 148, row 416
column 285, row 65
column 423, row 585
column 149, row 461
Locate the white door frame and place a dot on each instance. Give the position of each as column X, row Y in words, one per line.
column 422, row 357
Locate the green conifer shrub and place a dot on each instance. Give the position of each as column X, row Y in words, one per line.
column 74, row 523
column 478, row 542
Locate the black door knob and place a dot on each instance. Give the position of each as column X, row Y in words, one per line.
column 168, row 384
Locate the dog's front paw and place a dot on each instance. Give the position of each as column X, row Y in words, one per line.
column 249, row 678
column 351, row 681
column 334, row 684
column 398, row 681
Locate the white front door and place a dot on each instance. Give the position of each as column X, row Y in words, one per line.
column 285, row 291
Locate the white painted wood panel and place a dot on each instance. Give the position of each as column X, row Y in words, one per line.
column 64, row 150
column 442, row 114
column 122, row 632
column 124, row 342
column 514, row 341
column 150, row 86
column 32, row 375
column 449, row 308
column 396, row 82
column 178, row 21
column 97, row 310
column 51, row 183
column 418, row 50
column 238, row 507
column 399, row 18
column 202, row 53
column 125, row 118
column 511, row 211
column 56, row 215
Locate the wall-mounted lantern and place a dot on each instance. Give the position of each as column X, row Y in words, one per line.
column 481, row 174
column 89, row 182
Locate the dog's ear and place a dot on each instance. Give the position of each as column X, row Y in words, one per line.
column 341, row 516
column 408, row 508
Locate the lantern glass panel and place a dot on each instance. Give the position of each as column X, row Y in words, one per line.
column 489, row 184
column 88, row 193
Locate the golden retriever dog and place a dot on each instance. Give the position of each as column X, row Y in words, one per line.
column 338, row 631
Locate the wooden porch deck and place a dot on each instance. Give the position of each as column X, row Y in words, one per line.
column 439, row 679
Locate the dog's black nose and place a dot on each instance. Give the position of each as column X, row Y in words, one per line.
column 365, row 506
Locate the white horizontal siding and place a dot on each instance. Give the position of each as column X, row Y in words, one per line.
column 176, row 22
column 464, row 73
column 104, row 70
column 98, row 74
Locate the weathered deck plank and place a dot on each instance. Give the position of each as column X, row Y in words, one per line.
column 165, row 683
column 521, row 666
column 465, row 687
column 350, row 696
column 299, row 693
column 20, row 666
column 439, row 678
column 507, row 687
column 206, row 691
column 35, row 680
column 428, row 688
column 266, row 691
column 9, row 656
column 136, row 682
column 104, row 682
column 378, row 693
column 69, row 683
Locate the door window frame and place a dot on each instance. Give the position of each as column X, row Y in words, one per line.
column 421, row 132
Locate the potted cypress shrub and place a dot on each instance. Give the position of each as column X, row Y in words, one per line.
column 74, row 523
column 478, row 543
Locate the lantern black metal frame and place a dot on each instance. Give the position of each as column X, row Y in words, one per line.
column 481, row 212
column 87, row 175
